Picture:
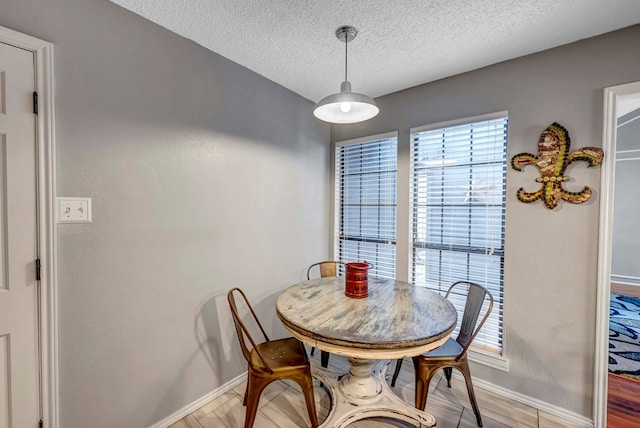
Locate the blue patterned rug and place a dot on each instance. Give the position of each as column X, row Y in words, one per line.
column 624, row 336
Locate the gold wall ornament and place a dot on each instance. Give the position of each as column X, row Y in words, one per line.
column 552, row 161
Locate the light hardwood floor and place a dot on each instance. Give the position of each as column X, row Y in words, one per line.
column 282, row 406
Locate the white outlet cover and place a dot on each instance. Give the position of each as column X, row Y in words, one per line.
column 74, row 210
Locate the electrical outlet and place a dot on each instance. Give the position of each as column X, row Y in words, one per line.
column 74, row 210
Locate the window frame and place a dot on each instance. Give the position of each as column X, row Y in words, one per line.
column 336, row 200
column 476, row 353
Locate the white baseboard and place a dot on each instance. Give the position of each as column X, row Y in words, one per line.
column 504, row 392
column 625, row 288
column 533, row 402
column 192, row 407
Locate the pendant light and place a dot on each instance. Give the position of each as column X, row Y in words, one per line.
column 346, row 106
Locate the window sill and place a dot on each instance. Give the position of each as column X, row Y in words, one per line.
column 488, row 359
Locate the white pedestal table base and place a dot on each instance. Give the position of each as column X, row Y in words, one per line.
column 364, row 393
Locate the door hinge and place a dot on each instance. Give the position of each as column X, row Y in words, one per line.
column 35, row 103
column 38, row 266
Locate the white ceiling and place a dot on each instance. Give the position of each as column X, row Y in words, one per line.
column 402, row 43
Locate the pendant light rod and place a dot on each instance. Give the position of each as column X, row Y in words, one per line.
column 346, row 58
column 346, row 34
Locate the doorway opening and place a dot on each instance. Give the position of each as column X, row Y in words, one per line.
column 614, row 100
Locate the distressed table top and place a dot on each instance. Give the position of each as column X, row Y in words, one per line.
column 395, row 316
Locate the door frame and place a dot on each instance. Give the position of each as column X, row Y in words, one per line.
column 603, row 290
column 45, row 140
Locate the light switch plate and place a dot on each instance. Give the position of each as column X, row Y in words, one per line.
column 74, row 210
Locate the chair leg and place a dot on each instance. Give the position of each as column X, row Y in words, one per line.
column 396, row 372
column 324, row 359
column 464, row 368
column 246, row 390
column 423, row 375
column 307, row 388
column 252, row 397
column 447, row 374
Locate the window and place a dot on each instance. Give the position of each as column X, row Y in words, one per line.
column 365, row 215
column 458, row 185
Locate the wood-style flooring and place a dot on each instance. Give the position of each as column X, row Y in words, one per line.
column 623, row 404
column 282, row 406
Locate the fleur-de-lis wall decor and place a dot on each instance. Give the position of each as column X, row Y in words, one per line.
column 552, row 161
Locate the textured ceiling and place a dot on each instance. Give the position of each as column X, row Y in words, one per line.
column 402, row 43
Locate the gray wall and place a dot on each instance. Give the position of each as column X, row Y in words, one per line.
column 203, row 175
column 625, row 249
column 551, row 256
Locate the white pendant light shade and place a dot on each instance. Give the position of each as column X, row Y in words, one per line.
column 346, row 106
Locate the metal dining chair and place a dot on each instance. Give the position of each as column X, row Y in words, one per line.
column 269, row 361
column 326, row 269
column 453, row 354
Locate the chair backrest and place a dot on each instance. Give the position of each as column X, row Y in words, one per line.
column 470, row 327
column 327, row 268
column 241, row 328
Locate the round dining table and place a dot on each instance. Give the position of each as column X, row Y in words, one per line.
column 396, row 320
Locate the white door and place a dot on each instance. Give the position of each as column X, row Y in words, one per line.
column 19, row 360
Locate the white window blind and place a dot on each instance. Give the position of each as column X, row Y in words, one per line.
column 366, row 202
column 458, row 185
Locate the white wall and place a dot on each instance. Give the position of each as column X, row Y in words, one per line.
column 551, row 256
column 203, row 176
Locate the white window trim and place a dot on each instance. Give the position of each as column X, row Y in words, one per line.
column 460, row 121
column 392, row 134
column 488, row 358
